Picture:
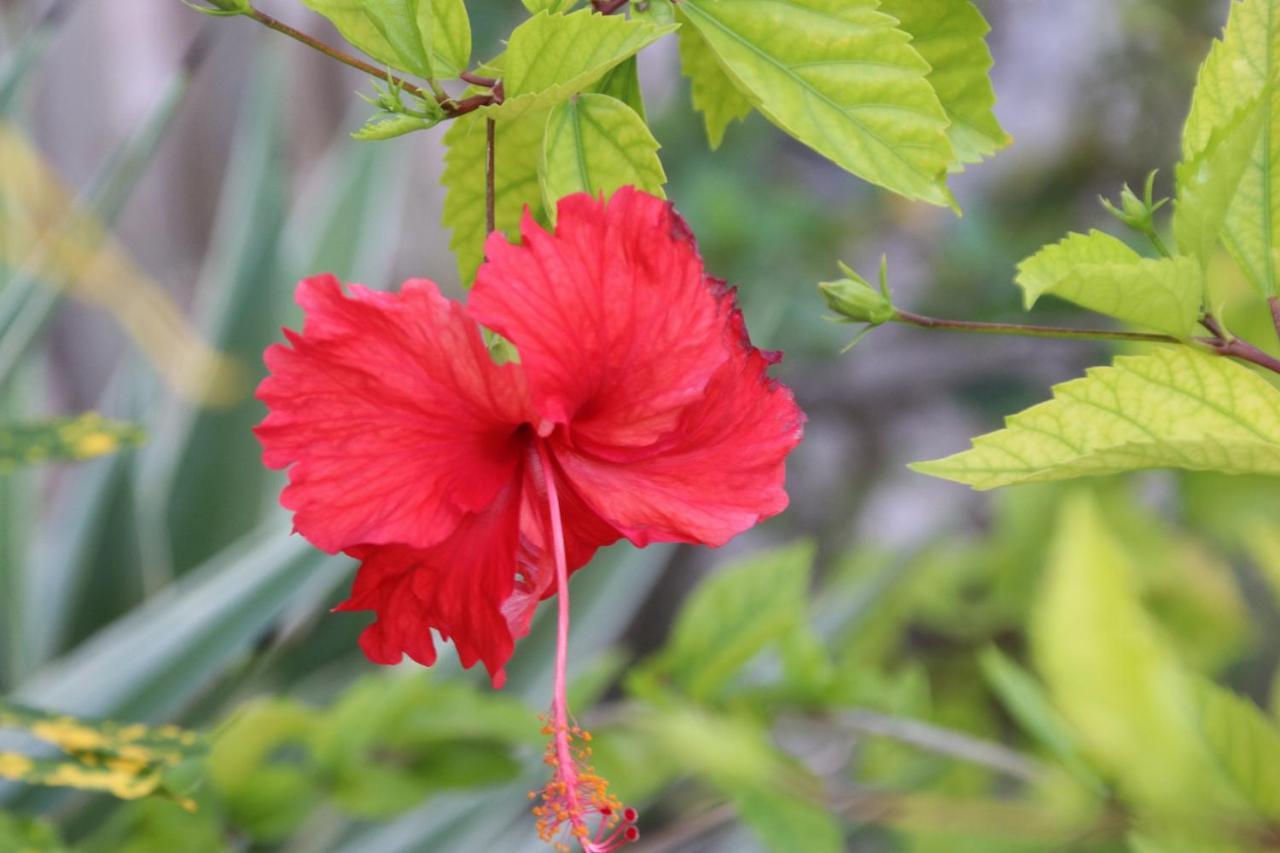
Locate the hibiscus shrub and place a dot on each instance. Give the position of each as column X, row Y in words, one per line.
column 1074, row 674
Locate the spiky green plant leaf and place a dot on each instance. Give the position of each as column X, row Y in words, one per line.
column 64, row 439
column 1101, row 273
column 518, row 146
column 714, row 93
column 842, row 78
column 1241, row 68
column 596, row 144
column 585, row 46
column 951, row 35
column 1173, row 408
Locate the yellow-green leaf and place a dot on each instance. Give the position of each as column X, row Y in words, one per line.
column 1245, row 743
column 951, row 35
column 1241, row 68
column 1111, row 674
column 842, row 78
column 64, row 439
column 518, row 144
column 1101, row 273
column 451, row 36
column 596, row 144
column 551, row 57
column 430, row 38
column 1173, row 408
column 714, row 93
column 1207, row 183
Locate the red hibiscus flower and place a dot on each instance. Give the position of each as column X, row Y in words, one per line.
column 469, row 490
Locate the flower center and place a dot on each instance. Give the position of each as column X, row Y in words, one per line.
column 576, row 798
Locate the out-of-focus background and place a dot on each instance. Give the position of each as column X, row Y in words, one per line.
column 161, row 585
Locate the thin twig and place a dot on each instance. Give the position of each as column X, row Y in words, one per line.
column 490, row 176
column 1023, row 330
column 1233, row 347
column 452, row 108
column 608, row 7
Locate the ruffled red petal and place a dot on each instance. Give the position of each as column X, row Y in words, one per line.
column 616, row 330
column 720, row 471
column 458, row 587
column 392, row 418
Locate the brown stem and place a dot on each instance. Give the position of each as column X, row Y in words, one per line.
column 608, row 7
column 490, row 193
column 452, row 108
column 477, row 80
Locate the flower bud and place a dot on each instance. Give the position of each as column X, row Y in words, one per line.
column 856, row 301
column 1137, row 213
column 223, row 8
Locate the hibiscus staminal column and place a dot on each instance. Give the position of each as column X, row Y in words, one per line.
column 576, row 797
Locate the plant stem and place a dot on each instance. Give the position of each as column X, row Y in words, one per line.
column 1159, row 244
column 1029, row 331
column 608, row 7
column 1219, row 340
column 490, row 176
column 1224, row 344
column 451, row 107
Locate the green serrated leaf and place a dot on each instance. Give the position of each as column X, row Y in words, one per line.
column 585, row 45
column 1174, row 408
column 1101, row 273
column 842, row 78
column 714, row 93
column 64, row 439
column 518, row 146
column 1245, row 744
column 451, row 37
column 391, row 125
column 623, row 82
column 1111, row 674
column 596, row 144
column 430, row 38
column 732, row 616
column 951, row 36
column 551, row 6
column 1207, row 183
column 390, row 31
column 1240, row 68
